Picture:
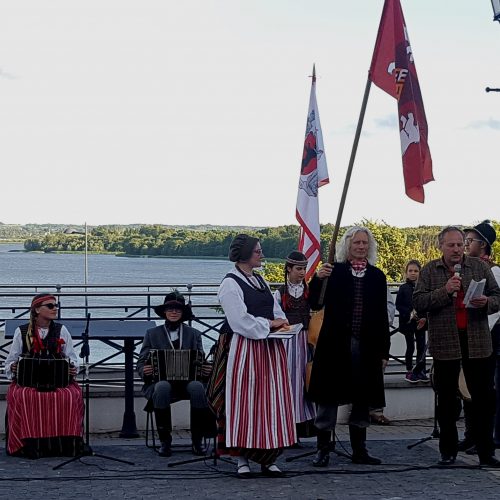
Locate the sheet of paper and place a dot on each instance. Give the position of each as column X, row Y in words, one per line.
column 476, row 289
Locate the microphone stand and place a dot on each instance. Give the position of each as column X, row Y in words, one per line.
column 435, row 432
column 87, row 450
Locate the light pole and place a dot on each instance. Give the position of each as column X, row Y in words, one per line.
column 496, row 17
column 70, row 230
column 496, row 10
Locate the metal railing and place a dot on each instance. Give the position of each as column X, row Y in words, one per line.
column 119, row 301
column 112, row 302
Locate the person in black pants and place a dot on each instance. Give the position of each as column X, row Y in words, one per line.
column 411, row 326
column 459, row 336
column 353, row 343
column 478, row 242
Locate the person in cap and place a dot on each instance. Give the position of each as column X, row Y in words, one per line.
column 43, row 423
column 174, row 334
column 459, row 338
column 250, row 389
column 478, row 243
column 293, row 298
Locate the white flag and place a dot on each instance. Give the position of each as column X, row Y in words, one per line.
column 313, row 175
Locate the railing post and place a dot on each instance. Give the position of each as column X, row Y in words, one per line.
column 58, row 290
column 189, row 287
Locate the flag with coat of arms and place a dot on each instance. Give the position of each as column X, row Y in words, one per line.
column 313, row 175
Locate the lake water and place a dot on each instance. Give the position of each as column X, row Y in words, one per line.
column 48, row 270
column 68, row 269
column 53, row 268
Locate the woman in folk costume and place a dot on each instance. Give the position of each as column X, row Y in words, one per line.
column 250, row 387
column 293, row 298
column 43, row 423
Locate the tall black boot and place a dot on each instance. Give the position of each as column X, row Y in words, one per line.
column 200, row 419
column 322, row 457
column 360, row 454
column 163, row 419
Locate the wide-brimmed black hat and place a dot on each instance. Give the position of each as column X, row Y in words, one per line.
column 485, row 230
column 177, row 301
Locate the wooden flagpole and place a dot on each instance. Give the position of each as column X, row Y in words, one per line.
column 333, row 242
column 317, row 317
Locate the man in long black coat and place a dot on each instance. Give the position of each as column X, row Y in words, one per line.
column 353, row 344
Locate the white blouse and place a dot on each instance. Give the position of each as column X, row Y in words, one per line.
column 231, row 299
column 296, row 290
column 16, row 348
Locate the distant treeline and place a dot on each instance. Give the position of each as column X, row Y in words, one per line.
column 21, row 232
column 395, row 245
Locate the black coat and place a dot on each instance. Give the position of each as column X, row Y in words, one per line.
column 404, row 305
column 332, row 377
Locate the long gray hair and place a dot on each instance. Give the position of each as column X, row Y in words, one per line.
column 342, row 248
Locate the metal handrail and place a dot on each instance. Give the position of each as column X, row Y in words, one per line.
column 208, row 323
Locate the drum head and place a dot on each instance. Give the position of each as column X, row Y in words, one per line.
column 463, row 390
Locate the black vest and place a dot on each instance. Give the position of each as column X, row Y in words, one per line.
column 297, row 309
column 49, row 342
column 260, row 303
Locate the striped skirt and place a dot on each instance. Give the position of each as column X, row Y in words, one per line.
column 32, row 414
column 296, row 350
column 258, row 397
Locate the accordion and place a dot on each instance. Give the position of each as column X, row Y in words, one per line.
column 43, row 374
column 175, row 364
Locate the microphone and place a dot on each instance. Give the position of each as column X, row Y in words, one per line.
column 458, row 269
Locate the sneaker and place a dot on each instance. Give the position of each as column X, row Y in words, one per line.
column 411, row 377
column 422, row 377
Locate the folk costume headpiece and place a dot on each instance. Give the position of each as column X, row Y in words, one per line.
column 296, row 259
column 241, row 247
column 40, row 299
column 33, row 340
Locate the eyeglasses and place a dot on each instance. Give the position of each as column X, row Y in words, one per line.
column 174, row 310
column 258, row 252
column 50, row 306
column 470, row 240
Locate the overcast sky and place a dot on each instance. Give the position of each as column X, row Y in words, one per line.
column 194, row 111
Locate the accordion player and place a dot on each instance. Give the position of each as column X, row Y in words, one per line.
column 177, row 345
column 42, row 364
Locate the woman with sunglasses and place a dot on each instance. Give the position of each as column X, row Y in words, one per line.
column 43, row 423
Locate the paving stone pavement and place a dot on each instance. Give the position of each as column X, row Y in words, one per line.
column 404, row 474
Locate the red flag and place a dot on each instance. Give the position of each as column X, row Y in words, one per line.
column 313, row 175
column 393, row 70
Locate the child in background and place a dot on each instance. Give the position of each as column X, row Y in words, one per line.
column 411, row 326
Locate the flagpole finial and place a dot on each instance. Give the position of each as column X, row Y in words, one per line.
column 314, row 73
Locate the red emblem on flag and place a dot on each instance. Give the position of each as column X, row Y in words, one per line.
column 313, row 175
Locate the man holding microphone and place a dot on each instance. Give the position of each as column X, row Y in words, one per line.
column 459, row 337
